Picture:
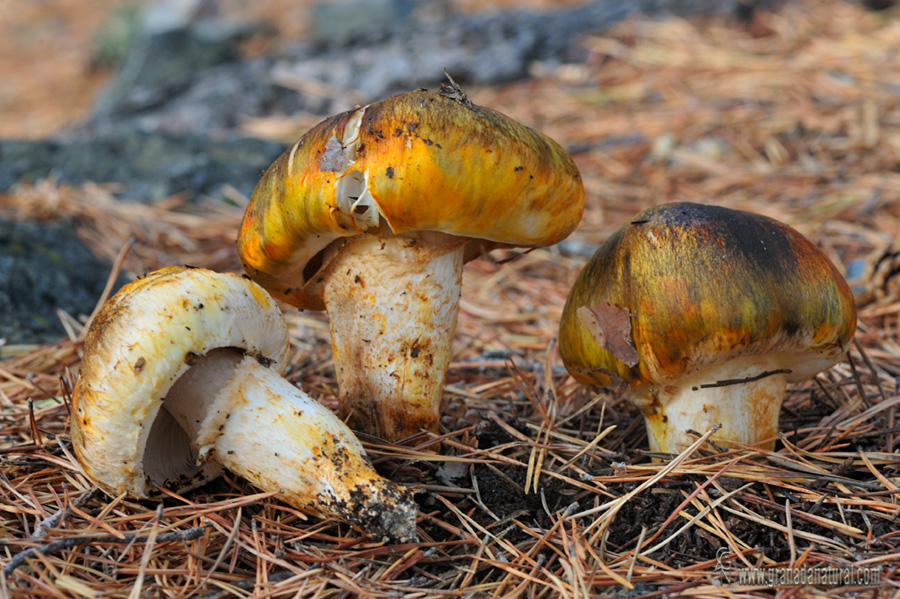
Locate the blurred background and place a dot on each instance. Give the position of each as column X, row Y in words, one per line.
column 56, row 55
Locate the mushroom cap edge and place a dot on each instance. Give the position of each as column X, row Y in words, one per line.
column 140, row 342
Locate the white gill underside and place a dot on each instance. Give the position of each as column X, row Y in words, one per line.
column 352, row 193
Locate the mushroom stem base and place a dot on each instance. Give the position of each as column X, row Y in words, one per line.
column 392, row 303
column 748, row 411
column 260, row 426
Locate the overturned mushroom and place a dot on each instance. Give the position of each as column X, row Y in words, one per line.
column 706, row 313
column 371, row 215
column 181, row 376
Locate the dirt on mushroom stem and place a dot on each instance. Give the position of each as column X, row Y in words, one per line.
column 307, row 454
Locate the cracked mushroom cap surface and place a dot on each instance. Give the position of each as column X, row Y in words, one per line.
column 419, row 161
column 141, row 341
column 684, row 285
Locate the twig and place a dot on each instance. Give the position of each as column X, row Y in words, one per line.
column 46, row 524
column 749, row 379
column 790, row 531
column 35, row 433
column 180, row 535
column 859, row 383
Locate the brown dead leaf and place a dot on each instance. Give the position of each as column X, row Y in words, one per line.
column 611, row 328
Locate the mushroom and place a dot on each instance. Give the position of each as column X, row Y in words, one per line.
column 706, row 313
column 181, row 376
column 371, row 215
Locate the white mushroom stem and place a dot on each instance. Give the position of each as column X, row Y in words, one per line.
column 392, row 303
column 245, row 416
column 744, row 395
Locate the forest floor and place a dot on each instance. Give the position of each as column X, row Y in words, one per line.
column 541, row 487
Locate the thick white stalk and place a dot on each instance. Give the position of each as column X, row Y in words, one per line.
column 744, row 395
column 258, row 425
column 392, row 303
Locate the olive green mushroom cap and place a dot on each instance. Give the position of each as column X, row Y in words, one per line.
column 683, row 285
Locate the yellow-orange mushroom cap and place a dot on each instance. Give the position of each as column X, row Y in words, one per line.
column 419, row 161
column 684, row 288
column 371, row 216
